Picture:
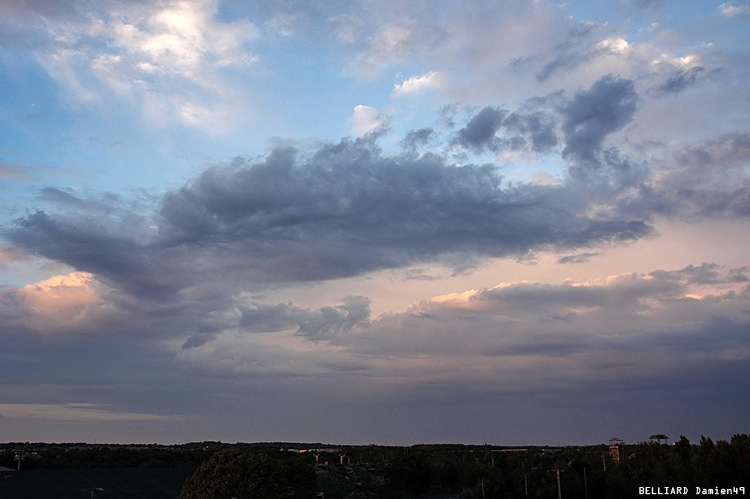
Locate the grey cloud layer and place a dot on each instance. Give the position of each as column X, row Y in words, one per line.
column 628, row 327
column 345, row 210
column 349, row 209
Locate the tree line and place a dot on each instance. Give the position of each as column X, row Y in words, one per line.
column 273, row 470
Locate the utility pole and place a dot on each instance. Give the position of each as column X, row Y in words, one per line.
column 559, row 493
column 585, row 483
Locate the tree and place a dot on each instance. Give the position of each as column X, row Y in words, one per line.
column 410, row 472
column 236, row 473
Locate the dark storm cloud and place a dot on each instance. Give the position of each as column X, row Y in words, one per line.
column 593, row 114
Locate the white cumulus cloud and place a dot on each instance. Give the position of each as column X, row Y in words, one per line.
column 428, row 81
column 365, row 119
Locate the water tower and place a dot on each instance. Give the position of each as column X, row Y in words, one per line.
column 616, row 449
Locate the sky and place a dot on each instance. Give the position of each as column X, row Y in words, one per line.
column 511, row 222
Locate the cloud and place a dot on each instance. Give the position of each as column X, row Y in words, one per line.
column 415, row 84
column 69, row 199
column 69, row 304
column 541, row 123
column 522, row 332
column 645, row 4
column 10, row 255
column 177, row 50
column 684, row 79
column 347, row 27
column 579, row 258
column 706, row 179
column 480, row 131
column 345, row 209
column 593, row 114
column 528, row 337
column 364, row 120
column 180, row 38
column 535, row 127
column 514, row 337
column 97, row 248
column 395, row 41
column 416, row 138
column 575, row 49
column 342, row 210
column 731, row 9
column 479, row 43
column 357, row 210
column 591, row 48
column 254, row 318
column 78, row 412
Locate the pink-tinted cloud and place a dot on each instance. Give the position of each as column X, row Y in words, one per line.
column 64, row 304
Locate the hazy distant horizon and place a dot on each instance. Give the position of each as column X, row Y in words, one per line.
column 304, row 445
